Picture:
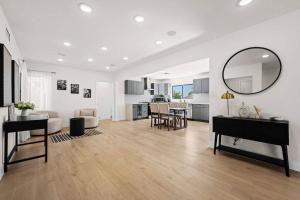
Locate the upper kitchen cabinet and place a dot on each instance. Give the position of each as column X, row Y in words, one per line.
column 201, row 85
column 134, row 87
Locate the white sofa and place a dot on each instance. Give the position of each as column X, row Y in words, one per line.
column 90, row 117
column 55, row 123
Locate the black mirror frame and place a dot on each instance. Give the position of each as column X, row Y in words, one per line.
column 246, row 50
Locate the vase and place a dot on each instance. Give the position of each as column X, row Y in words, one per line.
column 244, row 111
column 24, row 113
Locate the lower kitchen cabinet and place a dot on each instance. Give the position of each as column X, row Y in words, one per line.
column 200, row 112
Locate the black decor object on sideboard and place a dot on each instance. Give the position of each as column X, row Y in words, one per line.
column 5, row 77
column 260, row 130
column 16, row 82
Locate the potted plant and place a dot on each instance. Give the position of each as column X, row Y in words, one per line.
column 24, row 107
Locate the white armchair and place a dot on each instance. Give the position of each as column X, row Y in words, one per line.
column 90, row 117
column 55, row 123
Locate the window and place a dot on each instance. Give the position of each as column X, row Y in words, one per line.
column 182, row 91
column 187, row 91
column 39, row 89
column 177, row 92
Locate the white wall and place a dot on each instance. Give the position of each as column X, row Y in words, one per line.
column 63, row 101
column 279, row 34
column 16, row 55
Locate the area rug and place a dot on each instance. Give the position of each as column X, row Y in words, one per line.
column 61, row 137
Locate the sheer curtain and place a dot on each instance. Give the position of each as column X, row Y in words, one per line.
column 40, row 89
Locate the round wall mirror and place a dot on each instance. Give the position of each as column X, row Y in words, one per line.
column 252, row 70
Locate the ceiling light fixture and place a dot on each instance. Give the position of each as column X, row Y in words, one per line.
column 171, row 33
column 85, row 8
column 125, row 58
column 244, row 2
column 266, row 56
column 104, row 48
column 139, row 19
column 60, row 59
column 158, row 42
column 107, row 67
column 90, row 59
column 67, row 44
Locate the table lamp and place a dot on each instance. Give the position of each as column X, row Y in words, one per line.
column 227, row 96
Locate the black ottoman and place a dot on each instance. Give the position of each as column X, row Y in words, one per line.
column 76, row 126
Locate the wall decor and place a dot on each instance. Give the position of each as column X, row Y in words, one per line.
column 61, row 85
column 87, row 93
column 252, row 70
column 258, row 112
column 244, row 111
column 74, row 88
column 5, row 77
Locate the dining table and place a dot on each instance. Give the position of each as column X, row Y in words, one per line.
column 178, row 110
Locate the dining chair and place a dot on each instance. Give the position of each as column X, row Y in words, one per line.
column 165, row 115
column 154, row 112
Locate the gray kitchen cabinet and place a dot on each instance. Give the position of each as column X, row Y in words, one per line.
column 197, row 86
column 135, row 111
column 200, row 112
column 201, row 85
column 134, row 87
column 205, row 85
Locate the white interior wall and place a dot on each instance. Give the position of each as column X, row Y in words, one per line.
column 279, row 34
column 16, row 55
column 63, row 101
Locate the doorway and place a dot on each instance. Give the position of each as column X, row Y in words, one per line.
column 104, row 100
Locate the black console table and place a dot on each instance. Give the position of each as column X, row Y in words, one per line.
column 260, row 130
column 27, row 123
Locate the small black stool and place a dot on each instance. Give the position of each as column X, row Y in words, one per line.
column 76, row 126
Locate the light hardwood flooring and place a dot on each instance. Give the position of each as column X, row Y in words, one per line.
column 133, row 161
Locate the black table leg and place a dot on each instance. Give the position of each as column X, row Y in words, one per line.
column 17, row 141
column 5, row 151
column 215, row 144
column 286, row 160
column 185, row 119
column 220, row 141
column 46, row 142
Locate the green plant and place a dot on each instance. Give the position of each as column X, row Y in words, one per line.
column 176, row 95
column 24, row 106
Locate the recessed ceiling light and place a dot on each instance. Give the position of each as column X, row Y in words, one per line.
column 85, row 8
column 171, row 33
column 90, row 59
column 67, row 44
column 158, row 42
column 107, row 67
column 60, row 59
column 125, row 58
column 139, row 19
column 266, row 56
column 104, row 48
column 244, row 2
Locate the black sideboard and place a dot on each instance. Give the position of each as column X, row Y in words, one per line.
column 19, row 123
column 260, row 130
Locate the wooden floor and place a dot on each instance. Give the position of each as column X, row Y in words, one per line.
column 133, row 161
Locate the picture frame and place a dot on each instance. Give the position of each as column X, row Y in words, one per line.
column 74, row 88
column 61, row 85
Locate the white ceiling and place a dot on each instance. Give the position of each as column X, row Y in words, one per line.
column 41, row 26
column 183, row 70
